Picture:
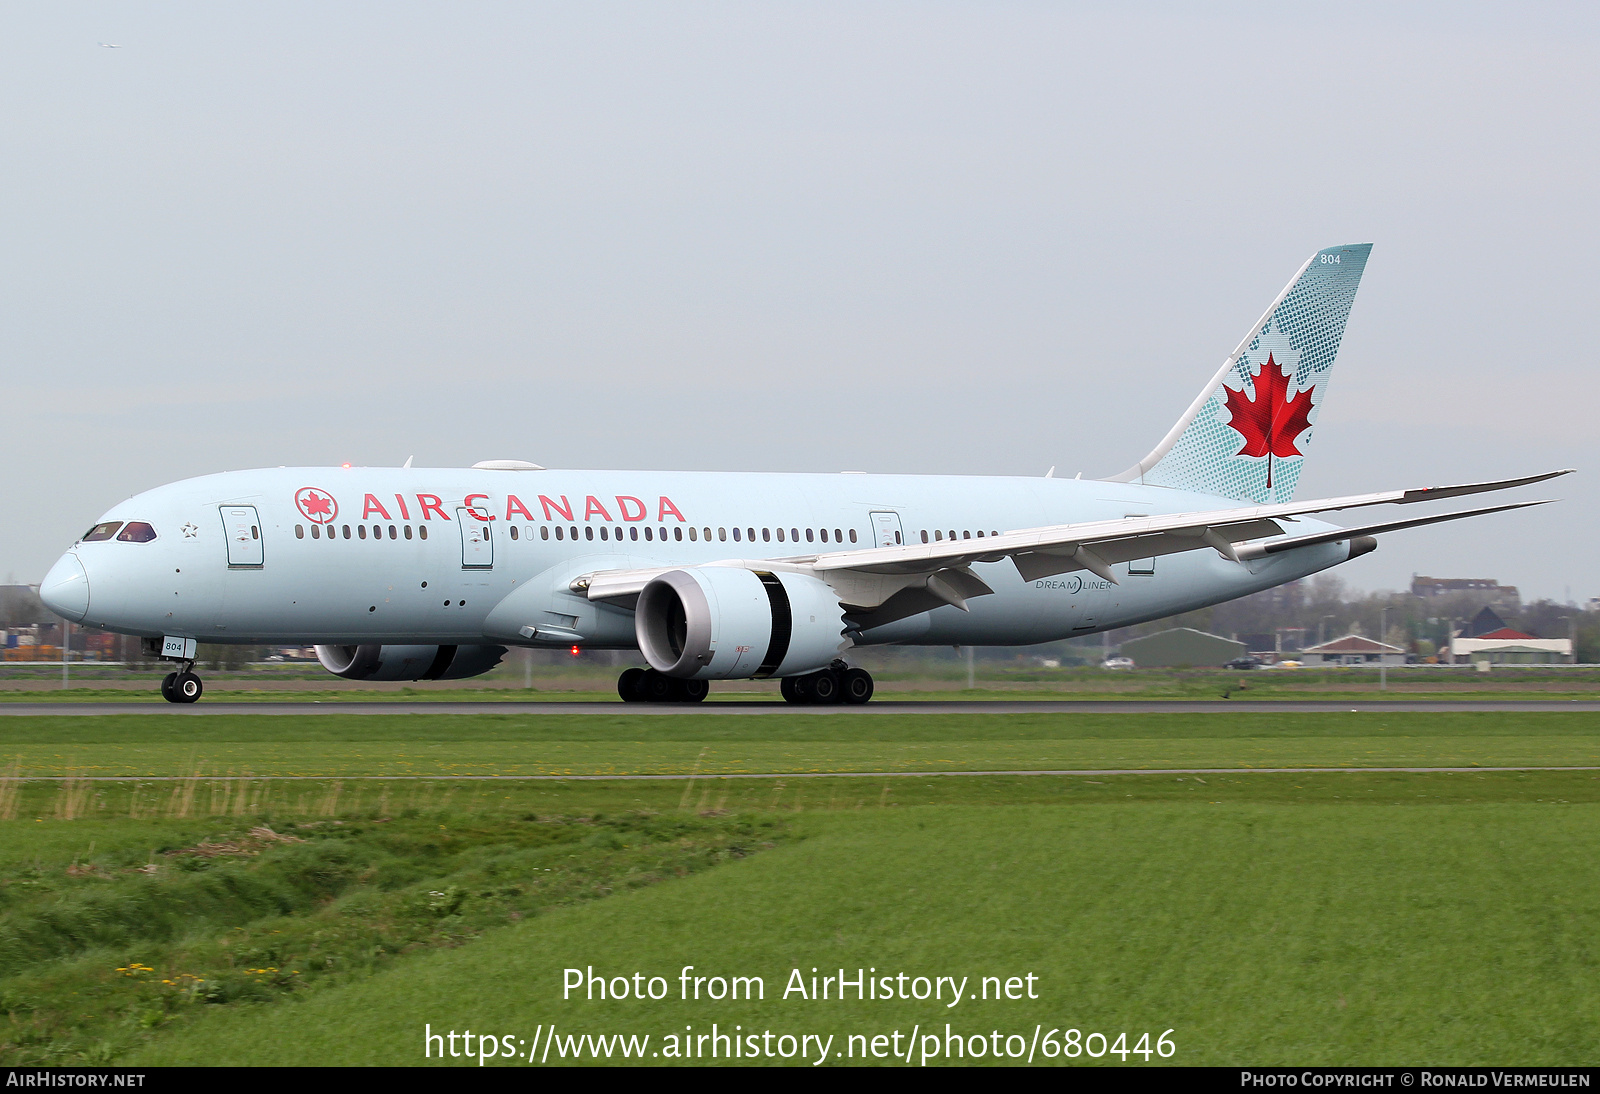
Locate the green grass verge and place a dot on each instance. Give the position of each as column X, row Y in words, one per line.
column 1355, row 919
column 611, row 744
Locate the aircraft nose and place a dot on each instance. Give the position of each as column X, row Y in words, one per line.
column 65, row 589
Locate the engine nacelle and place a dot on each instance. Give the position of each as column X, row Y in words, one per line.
column 409, row 662
column 727, row 623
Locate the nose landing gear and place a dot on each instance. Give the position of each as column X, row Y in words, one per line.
column 838, row 683
column 649, row 686
column 182, row 686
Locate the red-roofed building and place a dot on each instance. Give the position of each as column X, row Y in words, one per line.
column 1353, row 649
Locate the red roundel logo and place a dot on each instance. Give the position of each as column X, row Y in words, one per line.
column 317, row 505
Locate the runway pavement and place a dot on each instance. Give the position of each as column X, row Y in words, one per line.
column 700, row 776
column 934, row 706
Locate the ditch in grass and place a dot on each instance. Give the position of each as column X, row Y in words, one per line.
column 147, row 926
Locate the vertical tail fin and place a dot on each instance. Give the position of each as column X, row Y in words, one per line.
column 1245, row 437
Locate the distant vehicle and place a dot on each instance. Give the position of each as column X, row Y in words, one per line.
column 1117, row 663
column 1245, row 662
column 1288, row 664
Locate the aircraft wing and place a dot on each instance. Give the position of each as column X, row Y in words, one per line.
column 866, row 578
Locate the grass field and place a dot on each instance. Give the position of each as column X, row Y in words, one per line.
column 1343, row 917
column 617, row 743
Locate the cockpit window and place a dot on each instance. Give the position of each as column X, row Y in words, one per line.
column 102, row 531
column 137, row 531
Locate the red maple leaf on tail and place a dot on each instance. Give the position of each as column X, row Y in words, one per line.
column 1269, row 423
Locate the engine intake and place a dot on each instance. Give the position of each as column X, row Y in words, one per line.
column 728, row 623
column 409, row 662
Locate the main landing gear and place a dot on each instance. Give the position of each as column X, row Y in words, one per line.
column 838, row 683
column 182, row 686
column 649, row 686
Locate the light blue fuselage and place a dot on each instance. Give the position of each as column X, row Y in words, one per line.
column 457, row 587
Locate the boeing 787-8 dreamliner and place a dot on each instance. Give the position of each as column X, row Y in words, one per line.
column 428, row 574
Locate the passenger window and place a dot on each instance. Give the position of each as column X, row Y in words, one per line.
column 794, row 535
column 573, row 532
column 852, row 535
column 544, row 531
column 938, row 535
column 722, row 534
column 137, row 531
column 649, row 535
column 677, row 534
column 808, row 535
column 316, row 533
column 560, row 532
column 966, row 535
column 780, row 535
column 408, row 532
column 422, row 530
column 633, row 533
column 513, row 532
column 736, row 535
column 924, row 535
column 102, row 531
column 361, row 529
column 694, row 534
column 707, row 533
column 824, row 534
column 838, row 537
column 588, row 532
column 299, row 531
column 766, row 535
column 396, row 535
column 750, row 534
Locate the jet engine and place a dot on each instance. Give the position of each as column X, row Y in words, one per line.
column 728, row 623
column 409, row 662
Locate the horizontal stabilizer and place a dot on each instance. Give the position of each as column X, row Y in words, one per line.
column 1439, row 493
column 1278, row 546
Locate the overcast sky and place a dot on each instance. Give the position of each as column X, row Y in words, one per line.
column 956, row 238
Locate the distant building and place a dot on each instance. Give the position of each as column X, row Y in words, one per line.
column 1353, row 649
column 1490, row 592
column 1508, row 647
column 1181, row 647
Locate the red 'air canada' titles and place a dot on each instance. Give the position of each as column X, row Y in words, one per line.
column 628, row 509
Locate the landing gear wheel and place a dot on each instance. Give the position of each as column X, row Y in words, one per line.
column 187, row 688
column 167, row 691
column 693, row 691
column 630, row 685
column 824, row 687
column 799, row 689
column 786, row 689
column 657, row 688
column 857, row 687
